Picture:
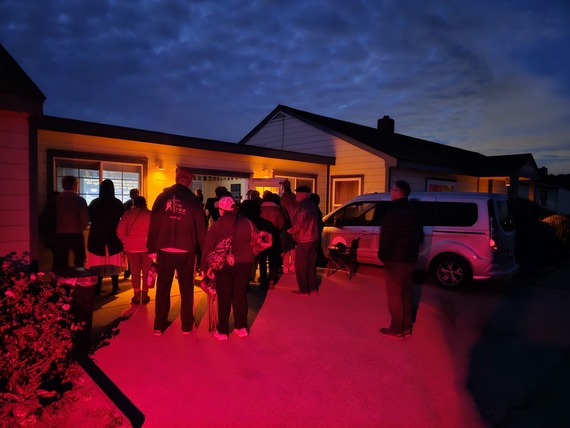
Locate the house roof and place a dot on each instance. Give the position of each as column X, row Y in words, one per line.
column 414, row 152
column 17, row 91
column 58, row 124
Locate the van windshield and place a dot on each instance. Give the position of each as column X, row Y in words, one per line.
column 356, row 214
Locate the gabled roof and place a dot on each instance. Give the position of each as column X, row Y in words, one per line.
column 413, row 152
column 17, row 91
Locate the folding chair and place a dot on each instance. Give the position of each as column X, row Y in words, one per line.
column 343, row 258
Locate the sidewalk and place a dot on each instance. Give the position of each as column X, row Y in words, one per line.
column 309, row 361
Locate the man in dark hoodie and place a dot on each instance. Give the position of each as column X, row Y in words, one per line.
column 176, row 232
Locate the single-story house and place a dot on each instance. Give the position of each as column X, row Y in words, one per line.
column 337, row 159
column 369, row 159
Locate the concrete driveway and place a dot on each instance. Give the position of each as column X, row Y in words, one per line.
column 489, row 355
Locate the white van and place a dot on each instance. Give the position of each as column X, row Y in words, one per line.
column 466, row 235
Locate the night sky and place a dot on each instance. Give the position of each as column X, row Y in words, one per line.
column 488, row 76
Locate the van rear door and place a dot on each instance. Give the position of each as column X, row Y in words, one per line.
column 502, row 232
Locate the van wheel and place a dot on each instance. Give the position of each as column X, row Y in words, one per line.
column 451, row 271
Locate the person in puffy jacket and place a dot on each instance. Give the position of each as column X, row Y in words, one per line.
column 400, row 241
column 233, row 278
column 133, row 231
column 306, row 231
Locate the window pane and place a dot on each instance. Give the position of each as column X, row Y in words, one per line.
column 124, row 176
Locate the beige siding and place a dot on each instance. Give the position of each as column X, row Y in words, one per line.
column 295, row 136
column 351, row 160
column 14, row 183
column 171, row 156
column 418, row 180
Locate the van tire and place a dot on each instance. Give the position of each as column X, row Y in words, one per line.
column 451, row 271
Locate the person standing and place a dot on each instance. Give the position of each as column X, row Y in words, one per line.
column 288, row 204
column 211, row 206
column 133, row 193
column 105, row 247
column 400, row 241
column 231, row 281
column 306, row 232
column 133, row 231
column 71, row 218
column 271, row 211
column 176, row 232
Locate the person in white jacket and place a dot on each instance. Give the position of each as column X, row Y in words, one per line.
column 133, row 231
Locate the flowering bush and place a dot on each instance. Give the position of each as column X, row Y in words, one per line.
column 36, row 331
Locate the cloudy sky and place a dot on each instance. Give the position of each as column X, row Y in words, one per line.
column 491, row 76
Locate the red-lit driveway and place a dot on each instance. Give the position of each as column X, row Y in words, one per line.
column 477, row 358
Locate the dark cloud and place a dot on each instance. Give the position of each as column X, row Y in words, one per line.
column 488, row 76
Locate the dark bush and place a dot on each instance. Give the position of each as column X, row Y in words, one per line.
column 541, row 241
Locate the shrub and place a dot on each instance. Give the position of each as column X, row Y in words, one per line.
column 37, row 332
column 538, row 242
column 561, row 226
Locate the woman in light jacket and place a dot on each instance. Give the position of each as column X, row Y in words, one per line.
column 133, row 231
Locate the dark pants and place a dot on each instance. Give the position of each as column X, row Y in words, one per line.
column 270, row 258
column 231, row 286
column 306, row 265
column 183, row 264
column 399, row 280
column 64, row 243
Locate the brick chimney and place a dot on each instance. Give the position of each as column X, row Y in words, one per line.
column 386, row 124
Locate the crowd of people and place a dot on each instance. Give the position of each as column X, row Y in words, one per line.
column 185, row 235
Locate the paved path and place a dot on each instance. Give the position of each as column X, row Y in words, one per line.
column 320, row 361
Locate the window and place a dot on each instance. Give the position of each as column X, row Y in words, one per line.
column 125, row 174
column 448, row 213
column 344, row 189
column 440, row 185
column 299, row 181
column 357, row 214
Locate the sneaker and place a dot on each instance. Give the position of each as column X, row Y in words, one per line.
column 392, row 334
column 300, row 293
column 187, row 332
column 408, row 332
column 285, row 269
column 220, row 336
column 158, row 332
column 241, row 332
column 292, row 269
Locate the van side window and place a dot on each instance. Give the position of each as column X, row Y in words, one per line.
column 448, row 213
column 357, row 214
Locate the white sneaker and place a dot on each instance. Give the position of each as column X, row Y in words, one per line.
column 241, row 332
column 220, row 336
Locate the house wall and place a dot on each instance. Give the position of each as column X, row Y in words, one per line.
column 351, row 160
column 15, row 211
column 563, row 202
column 418, row 179
column 171, row 156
